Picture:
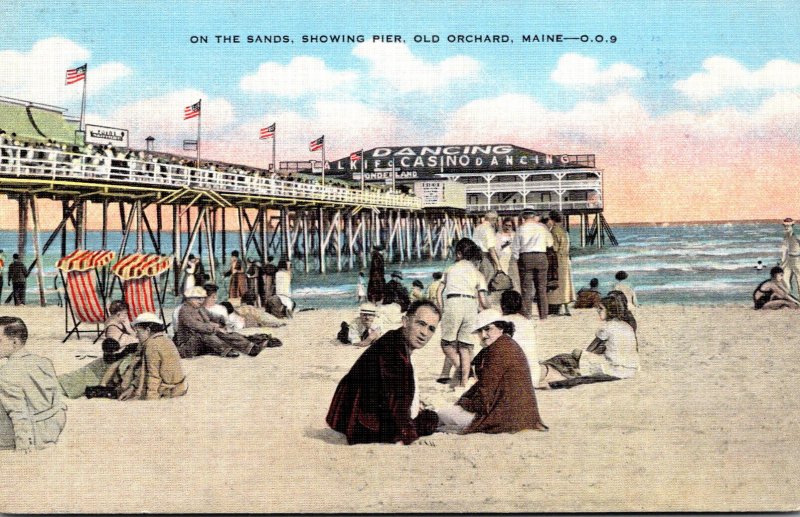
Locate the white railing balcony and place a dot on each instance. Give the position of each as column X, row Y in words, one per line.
column 59, row 165
column 541, row 206
column 534, row 186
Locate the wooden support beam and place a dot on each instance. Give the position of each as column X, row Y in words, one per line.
column 22, row 225
column 320, row 230
column 306, row 247
column 137, row 206
column 286, row 243
column 209, row 245
column 338, row 240
column 363, row 226
column 37, row 252
column 176, row 248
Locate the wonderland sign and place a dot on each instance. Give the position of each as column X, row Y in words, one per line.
column 426, row 161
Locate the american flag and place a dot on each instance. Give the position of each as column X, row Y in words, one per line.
column 316, row 145
column 191, row 111
column 267, row 132
column 76, row 75
column 357, row 155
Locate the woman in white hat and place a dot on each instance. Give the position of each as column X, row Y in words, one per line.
column 162, row 375
column 502, row 400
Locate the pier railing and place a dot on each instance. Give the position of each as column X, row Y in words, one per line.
column 549, row 205
column 55, row 164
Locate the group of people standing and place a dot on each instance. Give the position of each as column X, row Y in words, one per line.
column 378, row 400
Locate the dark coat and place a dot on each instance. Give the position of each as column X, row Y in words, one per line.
column 502, row 399
column 377, row 278
column 373, row 401
column 17, row 272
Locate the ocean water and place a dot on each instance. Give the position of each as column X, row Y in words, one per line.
column 686, row 264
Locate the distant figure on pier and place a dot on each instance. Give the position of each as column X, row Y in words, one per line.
column 625, row 288
column 759, row 266
column 772, row 293
column 564, row 294
column 529, row 249
column 238, row 284
column 588, row 296
column 377, row 275
column 18, row 279
column 485, row 237
column 361, row 289
column 790, row 256
column 32, row 413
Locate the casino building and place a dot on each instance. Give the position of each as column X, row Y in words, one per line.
column 502, row 177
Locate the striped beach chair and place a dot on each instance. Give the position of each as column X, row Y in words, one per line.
column 83, row 304
column 139, row 274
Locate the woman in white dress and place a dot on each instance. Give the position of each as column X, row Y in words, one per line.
column 189, row 278
column 504, row 238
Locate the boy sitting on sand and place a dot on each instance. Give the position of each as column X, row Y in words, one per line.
column 32, row 414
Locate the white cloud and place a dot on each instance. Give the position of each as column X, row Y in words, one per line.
column 521, row 120
column 303, row 75
column 395, row 64
column 577, row 71
column 38, row 74
column 722, row 75
column 162, row 117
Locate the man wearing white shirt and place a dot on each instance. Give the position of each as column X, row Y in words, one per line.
column 528, row 249
column 485, row 237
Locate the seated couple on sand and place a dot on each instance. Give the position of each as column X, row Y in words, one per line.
column 202, row 329
column 378, row 400
column 612, row 355
column 772, row 294
column 147, row 368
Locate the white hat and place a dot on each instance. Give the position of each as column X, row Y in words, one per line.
column 368, row 308
column 196, row 292
column 487, row 317
column 147, row 317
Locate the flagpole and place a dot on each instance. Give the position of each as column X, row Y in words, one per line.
column 323, row 160
column 274, row 136
column 83, row 102
column 393, row 175
column 199, row 117
column 362, row 169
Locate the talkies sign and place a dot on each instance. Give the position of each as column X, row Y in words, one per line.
column 426, row 161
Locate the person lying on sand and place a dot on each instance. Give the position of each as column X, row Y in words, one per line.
column 772, row 293
column 364, row 330
column 612, row 355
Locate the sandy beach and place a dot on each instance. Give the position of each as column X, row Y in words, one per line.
column 710, row 423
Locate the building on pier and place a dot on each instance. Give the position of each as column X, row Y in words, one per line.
column 501, row 177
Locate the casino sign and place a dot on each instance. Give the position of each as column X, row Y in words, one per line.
column 423, row 162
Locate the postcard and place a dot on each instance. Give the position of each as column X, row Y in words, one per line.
column 402, row 257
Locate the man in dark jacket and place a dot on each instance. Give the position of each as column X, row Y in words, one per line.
column 17, row 279
column 378, row 400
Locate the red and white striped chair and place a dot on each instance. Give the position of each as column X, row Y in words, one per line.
column 81, row 289
column 139, row 274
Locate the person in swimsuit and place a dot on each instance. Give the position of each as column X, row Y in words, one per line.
column 772, row 294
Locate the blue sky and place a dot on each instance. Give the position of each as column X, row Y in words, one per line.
column 708, row 73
